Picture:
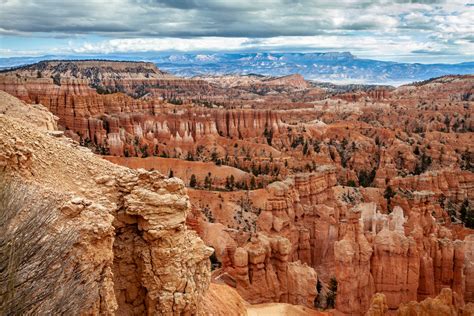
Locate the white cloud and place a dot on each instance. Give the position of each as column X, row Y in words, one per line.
column 368, row 46
column 162, row 44
column 371, row 28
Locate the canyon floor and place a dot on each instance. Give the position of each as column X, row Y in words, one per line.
column 233, row 195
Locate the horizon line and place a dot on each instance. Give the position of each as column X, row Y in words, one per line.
column 151, row 54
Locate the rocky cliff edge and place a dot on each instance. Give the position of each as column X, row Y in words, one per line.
column 132, row 247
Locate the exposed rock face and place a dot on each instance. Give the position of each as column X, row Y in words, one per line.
column 378, row 306
column 395, row 266
column 456, row 185
column 445, row 304
column 263, row 273
column 445, row 88
column 223, row 300
column 134, row 245
column 165, row 251
column 378, row 94
column 469, row 269
column 287, row 212
column 260, row 84
column 94, row 69
column 352, row 255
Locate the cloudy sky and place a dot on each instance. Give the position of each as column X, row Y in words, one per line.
column 400, row 30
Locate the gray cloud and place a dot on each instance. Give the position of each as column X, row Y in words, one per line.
column 253, row 18
column 469, row 38
column 418, row 27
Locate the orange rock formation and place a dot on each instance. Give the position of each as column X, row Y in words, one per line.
column 367, row 187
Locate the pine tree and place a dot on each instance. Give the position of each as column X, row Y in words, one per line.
column 268, row 133
column 253, row 183
column 366, row 178
column 319, row 287
column 208, row 181
column 193, row 181
column 230, row 183
column 388, row 195
column 332, row 293
column 467, row 214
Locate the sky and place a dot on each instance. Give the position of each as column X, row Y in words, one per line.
column 402, row 30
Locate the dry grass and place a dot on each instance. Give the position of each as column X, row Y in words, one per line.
column 37, row 277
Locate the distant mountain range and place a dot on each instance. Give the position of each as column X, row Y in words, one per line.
column 334, row 67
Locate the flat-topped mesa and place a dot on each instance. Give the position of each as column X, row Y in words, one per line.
column 136, row 79
column 260, row 84
column 93, row 70
column 295, row 81
column 449, row 88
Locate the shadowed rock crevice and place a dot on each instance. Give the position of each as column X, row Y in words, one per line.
column 128, row 287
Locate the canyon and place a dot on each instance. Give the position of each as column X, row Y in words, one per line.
column 247, row 194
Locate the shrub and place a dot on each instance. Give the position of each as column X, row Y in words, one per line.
column 37, row 274
column 175, row 101
column 102, row 90
column 351, row 183
column 144, row 150
column 190, row 157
